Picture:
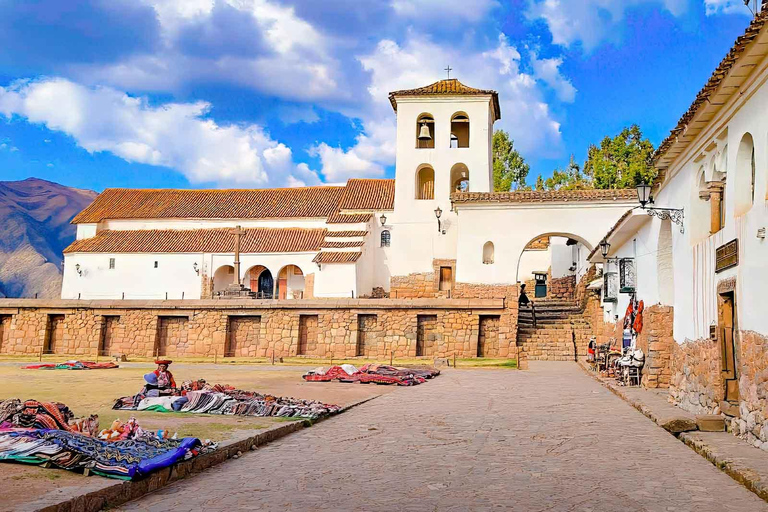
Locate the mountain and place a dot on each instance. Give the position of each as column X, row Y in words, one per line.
column 35, row 215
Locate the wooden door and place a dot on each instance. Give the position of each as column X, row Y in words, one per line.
column 728, row 347
column 446, row 278
column 307, row 335
column 282, row 288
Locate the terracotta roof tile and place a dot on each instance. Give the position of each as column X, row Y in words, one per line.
column 370, row 195
column 337, row 257
column 714, row 82
column 549, row 196
column 450, row 87
column 343, row 218
column 341, row 245
column 312, row 202
column 345, row 234
column 259, row 240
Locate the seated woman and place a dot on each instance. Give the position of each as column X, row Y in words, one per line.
column 161, row 381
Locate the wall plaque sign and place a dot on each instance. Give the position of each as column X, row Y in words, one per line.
column 727, row 255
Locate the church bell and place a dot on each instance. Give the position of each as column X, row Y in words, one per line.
column 424, row 132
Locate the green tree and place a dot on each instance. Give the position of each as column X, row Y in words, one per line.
column 569, row 179
column 539, row 183
column 622, row 161
column 509, row 167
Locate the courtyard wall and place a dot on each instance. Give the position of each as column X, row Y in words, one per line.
column 436, row 327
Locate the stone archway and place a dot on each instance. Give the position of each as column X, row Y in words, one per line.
column 290, row 283
column 259, row 279
column 555, row 234
column 223, row 277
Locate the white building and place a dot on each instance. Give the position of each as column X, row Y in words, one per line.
column 357, row 240
column 710, row 278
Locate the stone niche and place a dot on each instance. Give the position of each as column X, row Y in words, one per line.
column 239, row 328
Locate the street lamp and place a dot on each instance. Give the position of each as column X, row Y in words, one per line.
column 438, row 213
column 383, row 219
column 605, row 247
column 644, row 197
column 644, row 194
column 78, row 270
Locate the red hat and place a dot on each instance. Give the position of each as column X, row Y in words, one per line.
column 163, row 361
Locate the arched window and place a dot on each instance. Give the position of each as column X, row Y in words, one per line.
column 385, row 238
column 459, row 178
column 488, row 253
column 425, row 183
column 745, row 176
column 425, row 131
column 460, row 130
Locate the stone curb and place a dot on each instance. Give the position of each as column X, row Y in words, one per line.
column 739, row 472
column 124, row 491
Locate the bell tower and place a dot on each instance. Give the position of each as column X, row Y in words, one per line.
column 444, row 133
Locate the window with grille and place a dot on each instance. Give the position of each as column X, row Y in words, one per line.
column 610, row 288
column 627, row 275
column 385, row 238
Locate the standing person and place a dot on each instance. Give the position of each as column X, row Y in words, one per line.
column 523, row 300
column 165, row 380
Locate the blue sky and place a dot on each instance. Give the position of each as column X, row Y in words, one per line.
column 261, row 93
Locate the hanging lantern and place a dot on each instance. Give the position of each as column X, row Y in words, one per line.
column 424, row 132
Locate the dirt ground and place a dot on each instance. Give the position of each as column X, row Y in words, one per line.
column 94, row 392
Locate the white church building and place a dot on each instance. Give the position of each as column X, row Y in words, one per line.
column 367, row 238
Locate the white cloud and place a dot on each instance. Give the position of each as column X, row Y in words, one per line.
column 590, row 22
column 461, row 10
column 548, row 71
column 257, row 44
column 726, row 7
column 176, row 135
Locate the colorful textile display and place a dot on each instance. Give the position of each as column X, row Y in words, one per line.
column 44, row 415
column 72, row 365
column 125, row 459
column 371, row 373
column 202, row 398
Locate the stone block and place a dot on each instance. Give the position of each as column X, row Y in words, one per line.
column 710, row 423
column 678, row 424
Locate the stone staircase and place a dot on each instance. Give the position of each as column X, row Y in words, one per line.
column 559, row 333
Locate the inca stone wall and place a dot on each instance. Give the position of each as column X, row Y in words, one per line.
column 698, row 386
column 562, row 288
column 656, row 342
column 205, row 328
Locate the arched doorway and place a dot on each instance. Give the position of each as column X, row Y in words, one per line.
column 290, row 283
column 223, row 277
column 555, row 255
column 259, row 280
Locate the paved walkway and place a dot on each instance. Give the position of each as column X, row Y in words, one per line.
column 550, row 439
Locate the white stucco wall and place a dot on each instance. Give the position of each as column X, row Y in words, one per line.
column 413, row 221
column 134, row 275
column 512, row 227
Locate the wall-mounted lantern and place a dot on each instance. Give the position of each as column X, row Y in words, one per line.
column 79, row 270
column 438, row 213
column 196, row 268
column 644, row 197
column 383, row 219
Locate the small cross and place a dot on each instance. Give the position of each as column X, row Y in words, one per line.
column 448, row 70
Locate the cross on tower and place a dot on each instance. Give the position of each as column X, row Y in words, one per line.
column 238, row 232
column 448, row 70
